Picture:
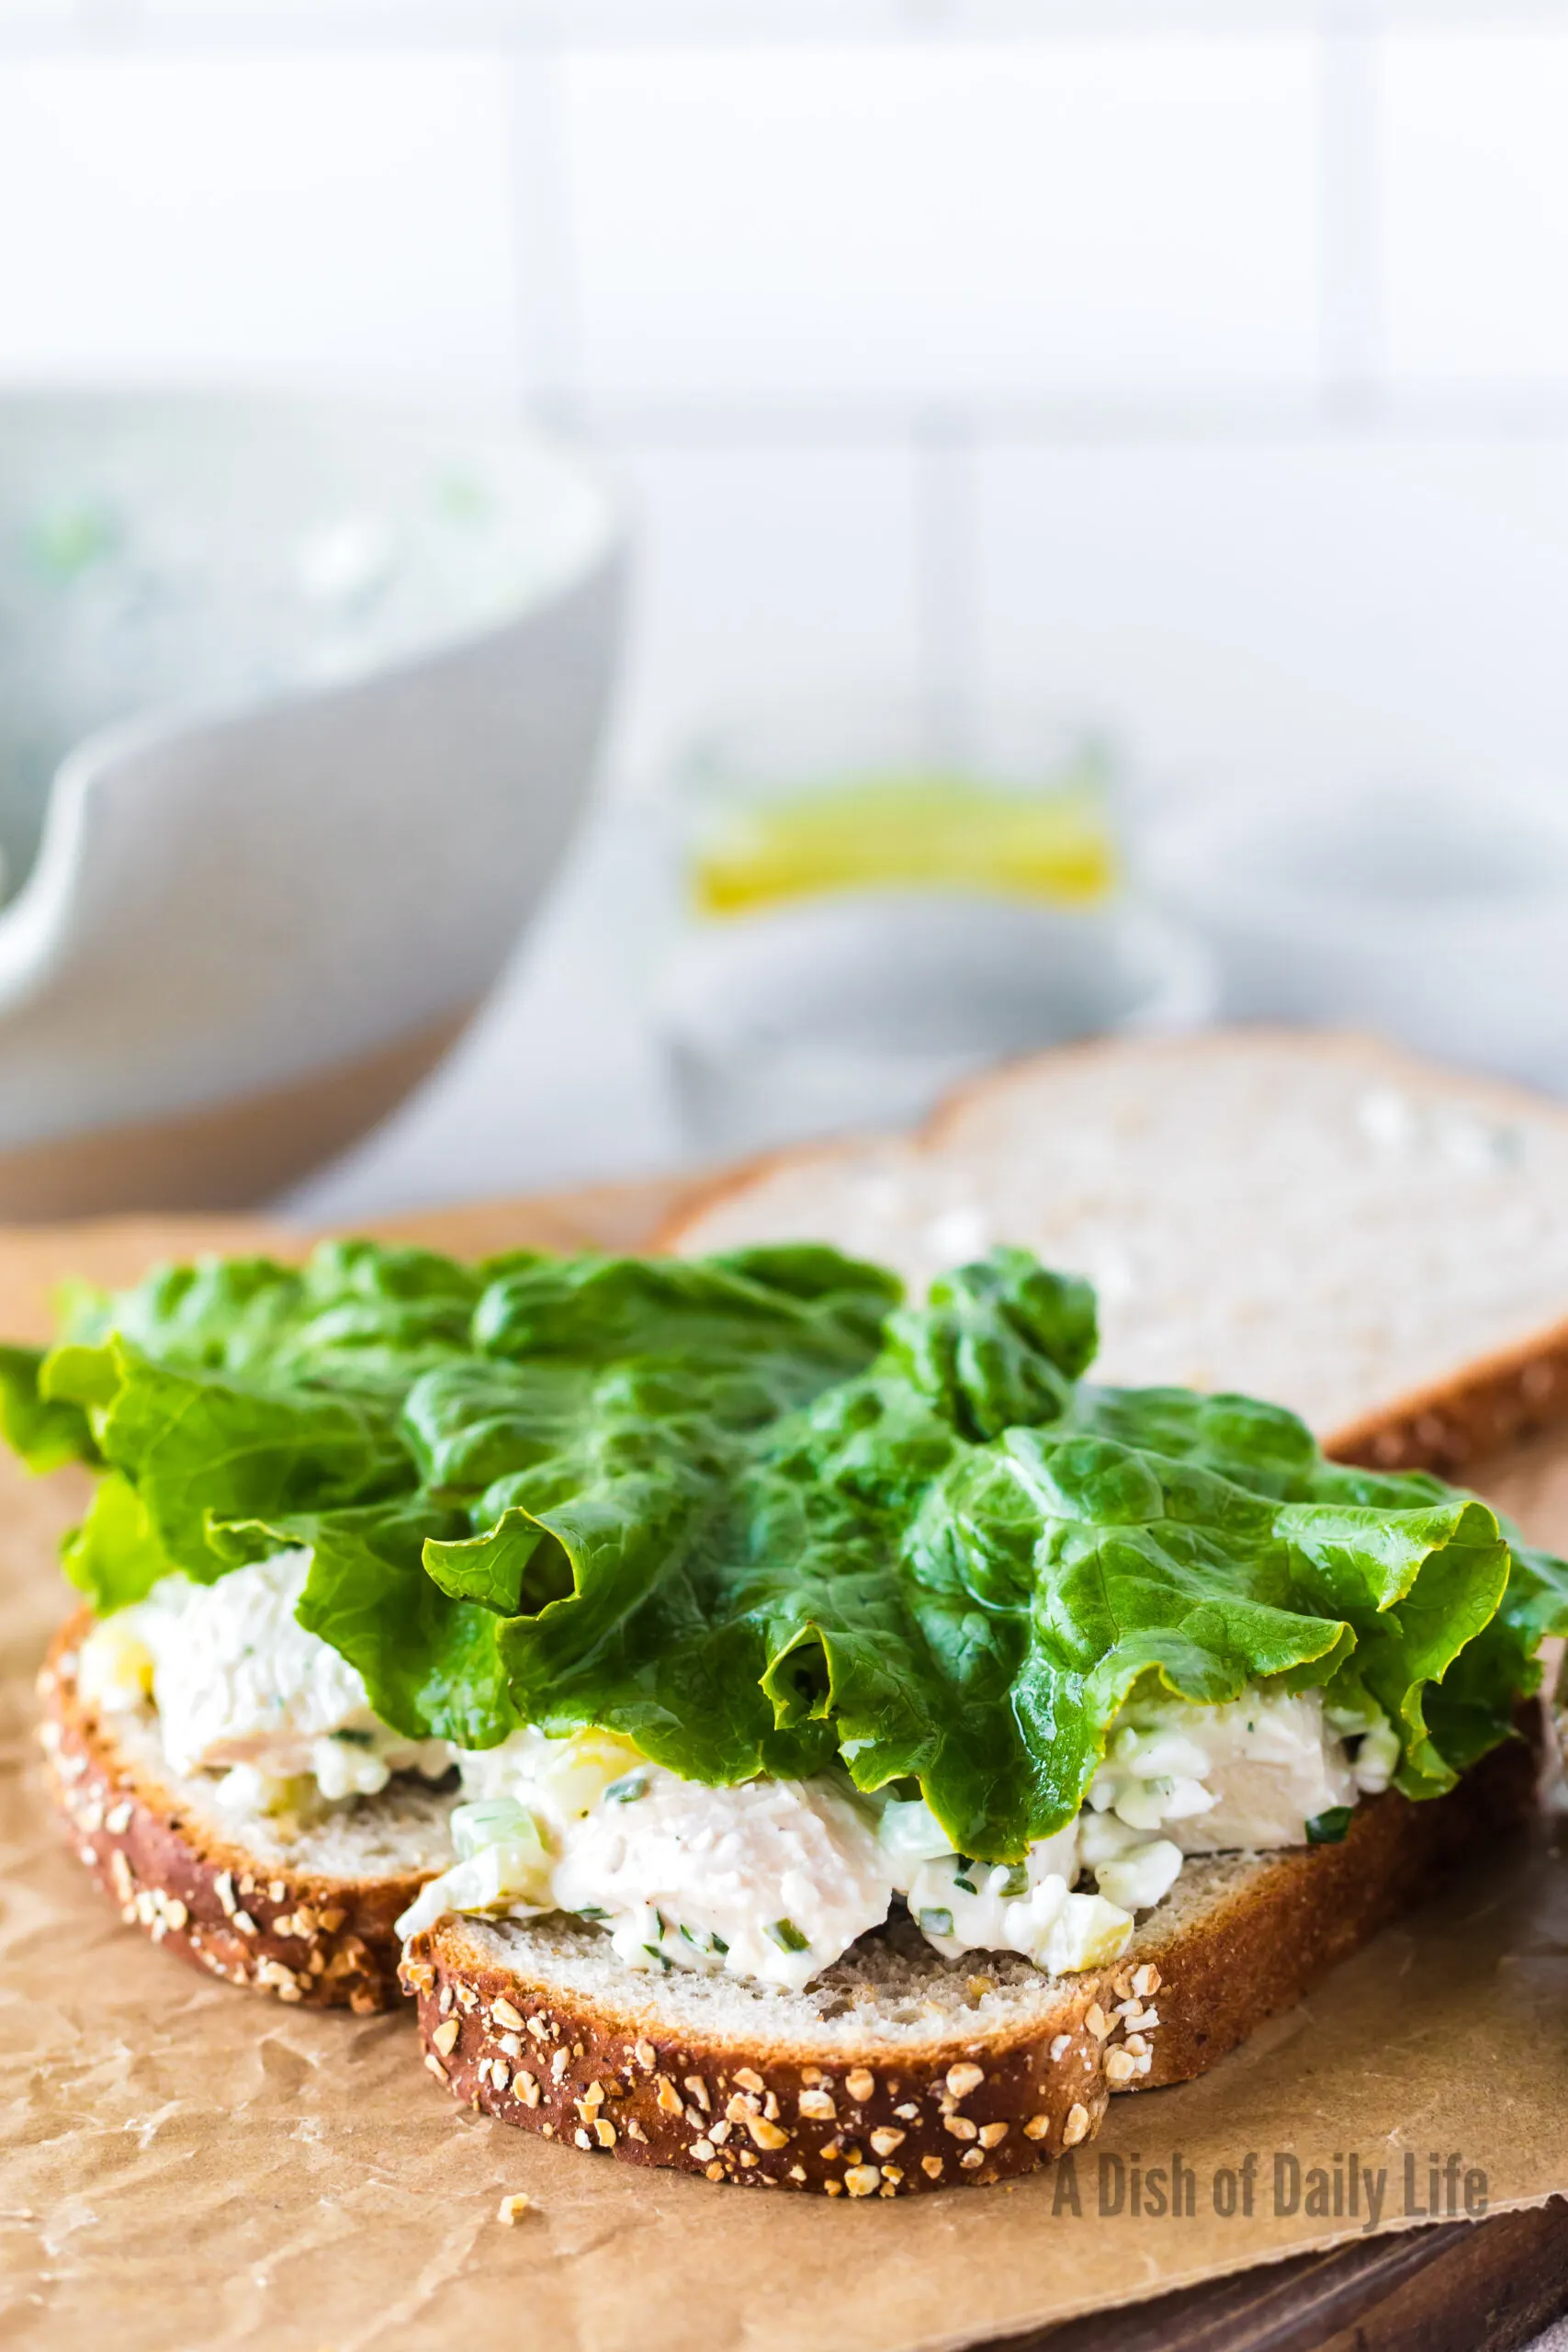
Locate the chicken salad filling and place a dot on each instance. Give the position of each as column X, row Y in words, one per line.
column 776, row 1878
column 771, row 1878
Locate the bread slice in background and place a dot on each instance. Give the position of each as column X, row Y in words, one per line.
column 897, row 2070
column 304, row 1911
column 1310, row 1217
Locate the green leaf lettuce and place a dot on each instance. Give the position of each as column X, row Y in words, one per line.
column 760, row 1516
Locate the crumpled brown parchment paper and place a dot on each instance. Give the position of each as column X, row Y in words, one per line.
column 182, row 2165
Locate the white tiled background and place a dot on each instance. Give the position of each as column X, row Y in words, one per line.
column 1201, row 367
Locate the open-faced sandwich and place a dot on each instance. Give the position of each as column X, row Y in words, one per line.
column 803, row 1737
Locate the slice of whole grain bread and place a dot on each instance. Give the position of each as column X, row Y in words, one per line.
column 305, row 1911
column 1307, row 1216
column 899, row 2071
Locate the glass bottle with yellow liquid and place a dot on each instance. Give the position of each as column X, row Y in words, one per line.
column 878, row 907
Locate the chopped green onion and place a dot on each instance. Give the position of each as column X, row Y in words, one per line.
column 357, row 1738
column 967, row 1884
column 717, row 1943
column 936, row 1923
column 690, row 1938
column 1017, row 1879
column 1328, row 1829
column 490, row 1821
column 627, row 1788
column 787, row 1936
column 665, row 1963
column 591, row 1911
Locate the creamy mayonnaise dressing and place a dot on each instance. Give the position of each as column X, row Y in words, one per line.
column 1246, row 1776
column 241, row 1689
column 772, row 1879
column 776, row 1879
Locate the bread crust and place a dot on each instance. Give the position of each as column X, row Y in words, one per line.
column 1456, row 1422
column 957, row 2109
column 322, row 1941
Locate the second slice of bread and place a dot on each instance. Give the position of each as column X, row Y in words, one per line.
column 1316, row 1218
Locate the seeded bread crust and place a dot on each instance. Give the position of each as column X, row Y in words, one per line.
column 323, row 1940
column 842, row 2091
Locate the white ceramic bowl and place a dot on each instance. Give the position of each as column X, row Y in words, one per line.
column 837, row 1013
column 1438, row 917
column 298, row 703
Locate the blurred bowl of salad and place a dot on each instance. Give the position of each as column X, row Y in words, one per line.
column 882, row 900
column 297, row 705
